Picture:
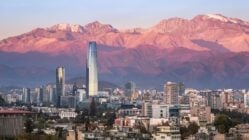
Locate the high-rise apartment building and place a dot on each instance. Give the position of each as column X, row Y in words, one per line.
column 39, row 96
column 130, row 88
column 26, row 96
column 147, row 109
column 181, row 88
column 160, row 111
column 75, row 88
column 92, row 70
column 171, row 92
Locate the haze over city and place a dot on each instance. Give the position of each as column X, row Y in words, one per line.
column 130, row 70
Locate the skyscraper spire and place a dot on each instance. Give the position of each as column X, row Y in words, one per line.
column 60, row 84
column 92, row 70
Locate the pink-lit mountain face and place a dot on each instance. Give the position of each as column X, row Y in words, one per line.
column 206, row 51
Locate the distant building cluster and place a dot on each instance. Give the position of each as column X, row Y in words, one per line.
column 145, row 114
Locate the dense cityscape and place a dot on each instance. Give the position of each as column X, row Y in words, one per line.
column 80, row 111
column 124, row 70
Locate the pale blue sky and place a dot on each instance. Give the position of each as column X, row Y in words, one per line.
column 20, row 16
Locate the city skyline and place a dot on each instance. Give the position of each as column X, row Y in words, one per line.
column 136, row 69
column 124, row 53
column 32, row 14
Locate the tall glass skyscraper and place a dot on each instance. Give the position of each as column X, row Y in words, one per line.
column 39, row 96
column 60, row 84
column 26, row 96
column 92, row 70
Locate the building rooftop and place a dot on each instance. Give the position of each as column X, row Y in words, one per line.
column 14, row 112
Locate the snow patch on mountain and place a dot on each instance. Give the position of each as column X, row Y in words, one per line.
column 221, row 18
column 68, row 27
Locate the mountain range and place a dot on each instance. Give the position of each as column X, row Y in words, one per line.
column 207, row 51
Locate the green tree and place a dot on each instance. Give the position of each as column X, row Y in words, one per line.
column 235, row 116
column 29, row 126
column 190, row 130
column 193, row 128
column 36, row 136
column 223, row 123
column 63, row 120
column 110, row 119
column 141, row 127
column 184, row 132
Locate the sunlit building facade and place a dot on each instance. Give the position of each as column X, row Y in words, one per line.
column 92, row 70
column 60, row 84
column 171, row 92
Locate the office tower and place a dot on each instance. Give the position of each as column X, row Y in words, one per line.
column 130, row 88
column 171, row 92
column 68, row 101
column 216, row 101
column 26, row 95
column 74, row 92
column 160, row 111
column 185, row 100
column 246, row 99
column 81, row 94
column 147, row 109
column 174, row 115
column 55, row 97
column 91, row 70
column 39, row 97
column 60, row 84
column 49, row 94
column 181, row 88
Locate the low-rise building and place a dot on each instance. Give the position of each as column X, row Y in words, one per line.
column 67, row 114
column 129, row 112
column 166, row 132
column 12, row 122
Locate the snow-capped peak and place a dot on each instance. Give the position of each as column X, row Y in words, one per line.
column 97, row 27
column 68, row 27
column 221, row 18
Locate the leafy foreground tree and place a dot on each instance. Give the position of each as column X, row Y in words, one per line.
column 29, row 126
column 192, row 129
column 223, row 123
column 81, row 117
column 235, row 116
column 184, row 132
column 27, row 136
column 111, row 116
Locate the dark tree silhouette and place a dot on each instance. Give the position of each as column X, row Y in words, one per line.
column 193, row 128
column 2, row 102
column 223, row 123
column 184, row 132
column 190, row 130
column 110, row 119
column 92, row 108
column 29, row 126
column 235, row 116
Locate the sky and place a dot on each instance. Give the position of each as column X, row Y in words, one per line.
column 20, row 16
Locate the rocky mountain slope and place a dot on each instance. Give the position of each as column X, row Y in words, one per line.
column 206, row 51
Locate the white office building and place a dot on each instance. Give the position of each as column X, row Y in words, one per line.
column 160, row 111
